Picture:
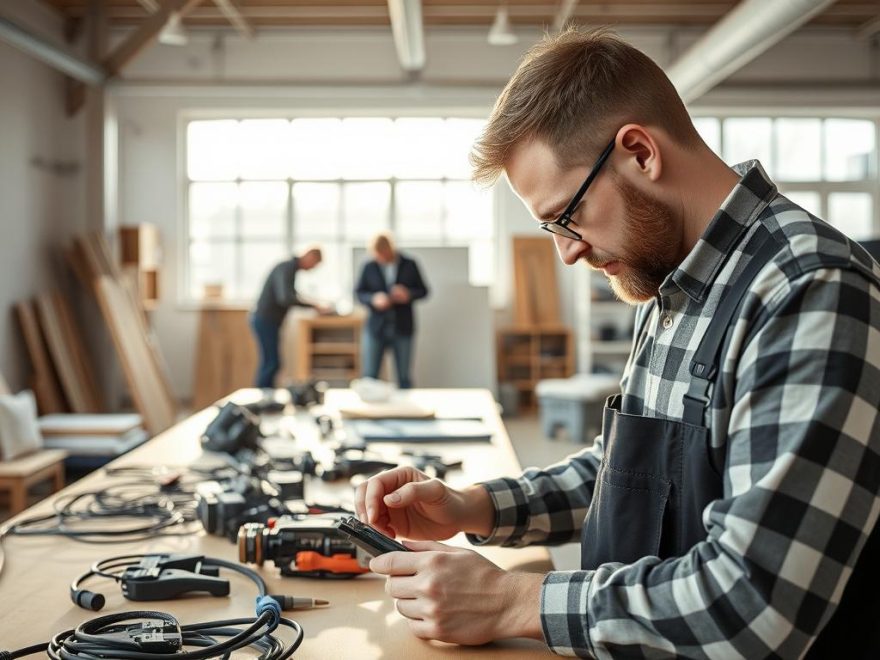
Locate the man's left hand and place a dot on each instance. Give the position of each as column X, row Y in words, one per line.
column 400, row 294
column 456, row 595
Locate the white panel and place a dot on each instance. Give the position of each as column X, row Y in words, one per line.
column 454, row 331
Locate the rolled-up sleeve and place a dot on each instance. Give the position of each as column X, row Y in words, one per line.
column 543, row 506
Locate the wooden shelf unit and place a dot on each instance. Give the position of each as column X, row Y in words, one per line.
column 610, row 329
column 329, row 348
column 527, row 354
column 140, row 255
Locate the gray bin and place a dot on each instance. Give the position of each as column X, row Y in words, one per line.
column 575, row 404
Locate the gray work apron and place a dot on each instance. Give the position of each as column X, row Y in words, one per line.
column 658, row 475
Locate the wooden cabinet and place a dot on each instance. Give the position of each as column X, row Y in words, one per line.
column 226, row 354
column 141, row 255
column 526, row 355
column 329, row 348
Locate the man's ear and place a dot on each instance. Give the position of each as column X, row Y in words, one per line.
column 641, row 152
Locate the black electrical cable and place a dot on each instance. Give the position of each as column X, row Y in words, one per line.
column 110, row 637
column 107, row 568
column 151, row 510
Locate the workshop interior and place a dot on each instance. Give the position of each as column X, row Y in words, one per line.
column 295, row 290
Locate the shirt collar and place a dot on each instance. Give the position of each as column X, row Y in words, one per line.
column 738, row 212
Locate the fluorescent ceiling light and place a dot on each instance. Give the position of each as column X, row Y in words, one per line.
column 500, row 33
column 409, row 33
column 173, row 34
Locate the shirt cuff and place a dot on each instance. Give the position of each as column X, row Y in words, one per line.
column 511, row 513
column 564, row 614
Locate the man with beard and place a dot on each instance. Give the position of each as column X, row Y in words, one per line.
column 728, row 508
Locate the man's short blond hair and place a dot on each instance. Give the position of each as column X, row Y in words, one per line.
column 573, row 91
column 380, row 242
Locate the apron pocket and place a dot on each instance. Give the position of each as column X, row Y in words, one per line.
column 625, row 520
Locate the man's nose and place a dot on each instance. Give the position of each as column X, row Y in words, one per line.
column 570, row 249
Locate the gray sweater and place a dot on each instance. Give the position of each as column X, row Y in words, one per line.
column 279, row 293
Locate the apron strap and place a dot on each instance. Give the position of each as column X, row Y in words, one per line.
column 705, row 363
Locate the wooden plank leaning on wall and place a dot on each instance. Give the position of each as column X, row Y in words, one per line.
column 68, row 353
column 134, row 341
column 45, row 381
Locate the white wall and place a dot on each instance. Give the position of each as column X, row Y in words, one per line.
column 40, row 204
column 321, row 72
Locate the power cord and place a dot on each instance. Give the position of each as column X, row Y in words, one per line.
column 149, row 635
column 152, row 509
column 168, row 576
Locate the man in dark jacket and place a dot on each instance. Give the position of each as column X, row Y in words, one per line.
column 279, row 295
column 388, row 285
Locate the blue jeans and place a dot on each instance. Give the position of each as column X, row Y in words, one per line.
column 266, row 333
column 373, row 350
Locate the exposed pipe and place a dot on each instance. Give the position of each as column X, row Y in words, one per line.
column 409, row 33
column 233, row 15
column 745, row 32
column 566, row 8
column 54, row 56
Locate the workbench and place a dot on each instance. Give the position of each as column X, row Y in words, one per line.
column 361, row 621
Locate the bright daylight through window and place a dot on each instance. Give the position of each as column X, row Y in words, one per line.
column 827, row 165
column 257, row 189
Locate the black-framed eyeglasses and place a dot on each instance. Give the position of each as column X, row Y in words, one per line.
column 560, row 225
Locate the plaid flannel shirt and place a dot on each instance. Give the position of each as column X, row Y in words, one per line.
column 795, row 414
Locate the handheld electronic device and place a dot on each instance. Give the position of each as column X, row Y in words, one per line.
column 368, row 538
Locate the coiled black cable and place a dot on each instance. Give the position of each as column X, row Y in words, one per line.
column 111, row 637
column 147, row 505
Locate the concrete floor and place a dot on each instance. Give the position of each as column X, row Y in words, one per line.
column 535, row 450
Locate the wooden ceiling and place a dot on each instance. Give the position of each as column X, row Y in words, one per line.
column 266, row 14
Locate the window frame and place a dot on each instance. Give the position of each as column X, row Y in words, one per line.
column 185, row 297
column 824, row 188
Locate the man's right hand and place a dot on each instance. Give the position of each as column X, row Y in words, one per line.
column 406, row 502
column 381, row 301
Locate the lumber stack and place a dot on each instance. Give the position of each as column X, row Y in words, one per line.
column 44, row 381
column 133, row 339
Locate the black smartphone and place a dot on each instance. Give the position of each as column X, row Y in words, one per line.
column 368, row 538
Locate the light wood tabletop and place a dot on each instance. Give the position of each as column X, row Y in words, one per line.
column 361, row 621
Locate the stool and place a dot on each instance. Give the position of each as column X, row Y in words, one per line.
column 19, row 474
column 574, row 404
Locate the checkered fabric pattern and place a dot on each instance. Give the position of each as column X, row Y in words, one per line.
column 794, row 421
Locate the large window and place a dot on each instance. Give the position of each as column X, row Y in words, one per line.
column 827, row 165
column 259, row 189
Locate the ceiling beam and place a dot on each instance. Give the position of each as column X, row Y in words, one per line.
column 745, row 32
column 145, row 34
column 565, row 11
column 482, row 11
column 233, row 14
column 409, row 33
column 149, row 5
column 56, row 56
column 132, row 46
column 868, row 29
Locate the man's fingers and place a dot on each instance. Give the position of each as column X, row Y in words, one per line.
column 401, row 587
column 376, row 488
column 408, row 608
column 422, row 629
column 360, row 494
column 424, row 546
column 432, row 491
column 395, row 563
